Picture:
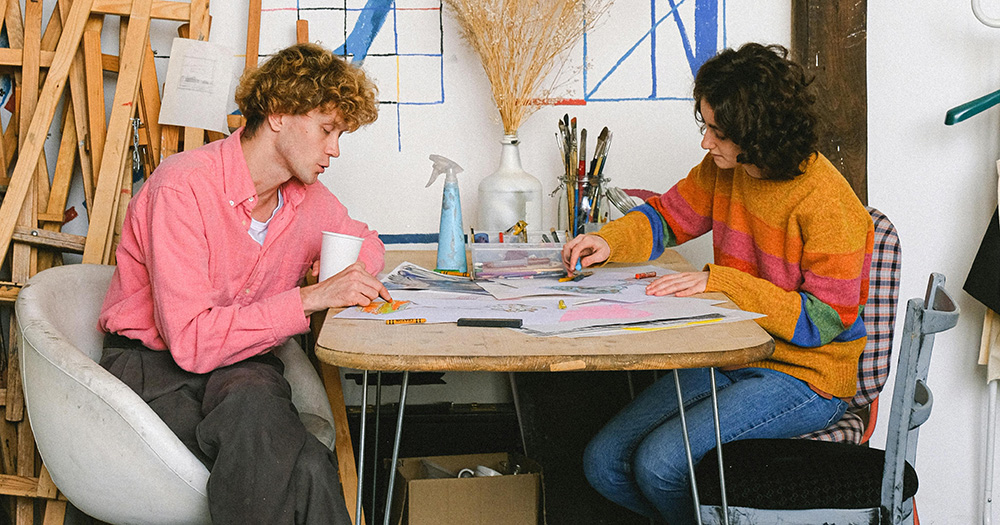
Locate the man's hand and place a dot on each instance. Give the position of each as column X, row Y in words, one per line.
column 352, row 286
column 680, row 284
column 589, row 249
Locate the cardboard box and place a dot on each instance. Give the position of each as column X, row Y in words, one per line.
column 421, row 499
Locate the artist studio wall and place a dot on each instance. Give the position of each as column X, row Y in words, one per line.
column 436, row 99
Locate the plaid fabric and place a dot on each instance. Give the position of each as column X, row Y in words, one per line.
column 849, row 429
column 880, row 322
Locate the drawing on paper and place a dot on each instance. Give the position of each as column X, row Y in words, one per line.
column 514, row 308
column 408, row 276
column 604, row 311
column 607, row 289
column 383, row 307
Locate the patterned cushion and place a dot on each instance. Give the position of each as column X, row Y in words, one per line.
column 880, row 311
column 880, row 322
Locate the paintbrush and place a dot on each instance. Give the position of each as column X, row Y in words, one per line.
column 573, row 160
column 605, row 148
column 595, row 164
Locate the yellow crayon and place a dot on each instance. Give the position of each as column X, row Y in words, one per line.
column 405, row 321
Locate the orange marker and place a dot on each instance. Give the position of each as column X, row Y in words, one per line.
column 405, row 321
column 645, row 275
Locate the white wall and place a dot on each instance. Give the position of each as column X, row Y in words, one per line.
column 938, row 185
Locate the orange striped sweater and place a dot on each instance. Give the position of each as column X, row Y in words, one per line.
column 798, row 251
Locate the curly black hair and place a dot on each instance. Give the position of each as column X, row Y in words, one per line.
column 762, row 102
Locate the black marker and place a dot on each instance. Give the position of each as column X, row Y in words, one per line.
column 489, row 323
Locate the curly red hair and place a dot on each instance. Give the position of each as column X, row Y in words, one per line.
column 304, row 77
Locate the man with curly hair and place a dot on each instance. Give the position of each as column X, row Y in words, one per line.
column 791, row 241
column 213, row 255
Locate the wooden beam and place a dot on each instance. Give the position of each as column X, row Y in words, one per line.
column 23, row 486
column 301, row 31
column 343, row 447
column 24, row 259
column 149, row 95
column 55, row 513
column 15, row 24
column 14, row 57
column 21, row 178
column 253, row 36
column 26, row 468
column 829, row 41
column 235, row 121
column 96, row 113
column 161, row 10
column 8, row 294
column 198, row 28
column 102, row 217
column 39, row 237
column 78, row 93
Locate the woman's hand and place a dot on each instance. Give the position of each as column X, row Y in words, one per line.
column 589, row 249
column 681, row 284
column 352, row 286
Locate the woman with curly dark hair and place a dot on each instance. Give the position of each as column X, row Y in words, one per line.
column 791, row 241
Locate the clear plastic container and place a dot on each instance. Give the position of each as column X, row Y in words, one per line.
column 516, row 260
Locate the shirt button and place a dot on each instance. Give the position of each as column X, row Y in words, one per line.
column 251, row 199
column 247, row 290
column 244, row 223
column 231, row 203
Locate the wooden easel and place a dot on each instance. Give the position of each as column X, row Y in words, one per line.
column 69, row 54
column 31, row 212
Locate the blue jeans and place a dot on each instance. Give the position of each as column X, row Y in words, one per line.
column 638, row 461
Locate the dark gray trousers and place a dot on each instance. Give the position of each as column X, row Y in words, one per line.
column 239, row 420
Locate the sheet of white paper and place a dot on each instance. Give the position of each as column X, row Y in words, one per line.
column 620, row 301
column 612, row 313
column 613, row 284
column 409, row 276
column 729, row 316
column 197, row 87
column 541, row 314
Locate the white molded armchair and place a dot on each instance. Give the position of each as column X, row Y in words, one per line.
column 105, row 449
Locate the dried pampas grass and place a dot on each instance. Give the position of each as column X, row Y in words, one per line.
column 523, row 44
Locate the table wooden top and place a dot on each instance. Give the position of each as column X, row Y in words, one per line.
column 373, row 345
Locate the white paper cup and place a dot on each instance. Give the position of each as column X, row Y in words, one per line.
column 483, row 471
column 339, row 251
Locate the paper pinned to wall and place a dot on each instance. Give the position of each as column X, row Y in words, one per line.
column 198, row 85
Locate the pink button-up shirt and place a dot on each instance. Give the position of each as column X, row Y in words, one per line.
column 191, row 279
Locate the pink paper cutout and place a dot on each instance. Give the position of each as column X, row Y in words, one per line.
column 603, row 311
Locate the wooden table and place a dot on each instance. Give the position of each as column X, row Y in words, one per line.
column 367, row 345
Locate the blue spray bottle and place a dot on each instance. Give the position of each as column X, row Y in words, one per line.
column 451, row 239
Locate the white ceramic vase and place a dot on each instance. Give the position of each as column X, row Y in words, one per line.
column 509, row 194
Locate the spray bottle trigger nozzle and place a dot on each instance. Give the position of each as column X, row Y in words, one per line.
column 442, row 165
